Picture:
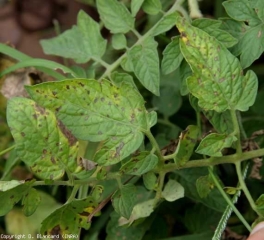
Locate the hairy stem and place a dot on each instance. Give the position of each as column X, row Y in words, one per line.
column 154, row 144
column 160, row 187
column 236, row 130
column 73, row 193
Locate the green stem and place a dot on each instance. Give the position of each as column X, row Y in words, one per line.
column 154, row 144
column 244, row 187
column 236, row 130
column 7, row 150
column 212, row 161
column 73, row 193
column 160, row 187
column 228, row 200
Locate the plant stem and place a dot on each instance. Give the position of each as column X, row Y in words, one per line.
column 154, row 144
column 160, row 187
column 7, row 150
column 244, row 187
column 73, row 193
column 236, row 130
column 228, row 200
column 237, row 157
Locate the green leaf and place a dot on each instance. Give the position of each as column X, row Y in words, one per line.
column 169, row 101
column 152, row 7
column 12, row 196
column 135, row 6
column 97, row 192
column 205, row 236
column 150, row 180
column 213, row 144
column 199, row 219
column 212, row 28
column 185, row 72
column 253, row 15
column 55, row 151
column 188, row 177
column 172, row 56
column 152, row 118
column 241, row 10
column 124, row 200
column 217, row 80
column 204, row 186
column 140, row 164
column 173, row 191
column 31, row 201
column 115, row 16
column 120, row 78
column 186, row 145
column 101, row 112
column 70, row 218
column 165, row 24
column 80, row 43
column 260, row 204
column 145, row 62
column 119, row 41
column 7, row 185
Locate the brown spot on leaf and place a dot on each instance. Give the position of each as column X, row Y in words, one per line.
column 102, row 99
column 40, row 109
column 12, row 196
column 54, row 93
column 23, row 134
column 52, row 159
column 119, row 148
column 44, row 151
column 67, row 87
column 67, row 133
column 81, row 84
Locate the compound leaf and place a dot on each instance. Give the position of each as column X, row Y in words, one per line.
column 115, row 16
column 41, row 142
column 217, row 79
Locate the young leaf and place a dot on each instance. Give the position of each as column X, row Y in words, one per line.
column 217, row 79
column 124, row 200
column 165, row 24
column 135, row 6
column 145, row 62
column 101, row 112
column 119, row 41
column 115, row 16
column 55, row 151
column 152, row 7
column 173, row 191
column 120, row 78
column 172, row 56
column 70, row 218
column 80, row 43
column 150, row 180
column 214, row 143
column 12, row 196
column 140, row 164
column 260, row 204
column 152, row 119
column 31, row 201
column 186, row 145
column 250, row 37
column 204, row 185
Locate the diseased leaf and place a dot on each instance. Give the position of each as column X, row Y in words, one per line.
column 56, row 149
column 135, row 6
column 186, row 145
column 145, row 62
column 172, row 56
column 140, row 164
column 165, row 24
column 69, row 218
column 217, row 79
column 80, row 43
column 212, row 27
column 214, row 143
column 98, row 111
column 173, row 191
column 204, row 185
column 12, row 196
column 115, row 16
column 31, row 201
column 7, row 185
column 120, row 78
column 119, row 41
column 124, row 200
column 152, row 7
